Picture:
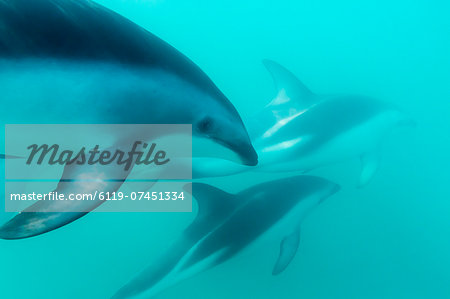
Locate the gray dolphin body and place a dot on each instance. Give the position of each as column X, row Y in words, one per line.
column 300, row 130
column 67, row 61
column 227, row 224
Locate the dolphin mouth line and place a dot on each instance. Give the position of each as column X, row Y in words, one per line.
column 252, row 160
column 246, row 152
column 248, row 156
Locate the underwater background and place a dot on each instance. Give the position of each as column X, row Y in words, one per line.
column 390, row 239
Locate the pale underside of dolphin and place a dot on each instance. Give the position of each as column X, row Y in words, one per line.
column 227, row 224
column 300, row 131
column 74, row 61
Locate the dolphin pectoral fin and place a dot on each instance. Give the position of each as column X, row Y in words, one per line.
column 369, row 166
column 288, row 248
column 289, row 87
column 47, row 215
column 29, row 224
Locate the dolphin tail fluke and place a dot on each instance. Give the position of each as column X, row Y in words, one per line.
column 369, row 166
column 288, row 249
column 289, row 88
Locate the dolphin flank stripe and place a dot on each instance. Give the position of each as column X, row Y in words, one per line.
column 82, row 63
column 315, row 121
column 299, row 130
column 244, row 218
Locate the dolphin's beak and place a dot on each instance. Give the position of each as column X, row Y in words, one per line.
column 247, row 153
column 243, row 148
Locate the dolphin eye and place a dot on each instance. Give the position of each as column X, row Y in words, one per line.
column 205, row 125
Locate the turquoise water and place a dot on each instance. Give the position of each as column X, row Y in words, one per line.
column 390, row 239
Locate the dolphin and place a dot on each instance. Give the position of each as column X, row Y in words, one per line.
column 77, row 62
column 227, row 224
column 300, row 130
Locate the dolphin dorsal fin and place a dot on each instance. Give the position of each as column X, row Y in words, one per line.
column 212, row 202
column 289, row 88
